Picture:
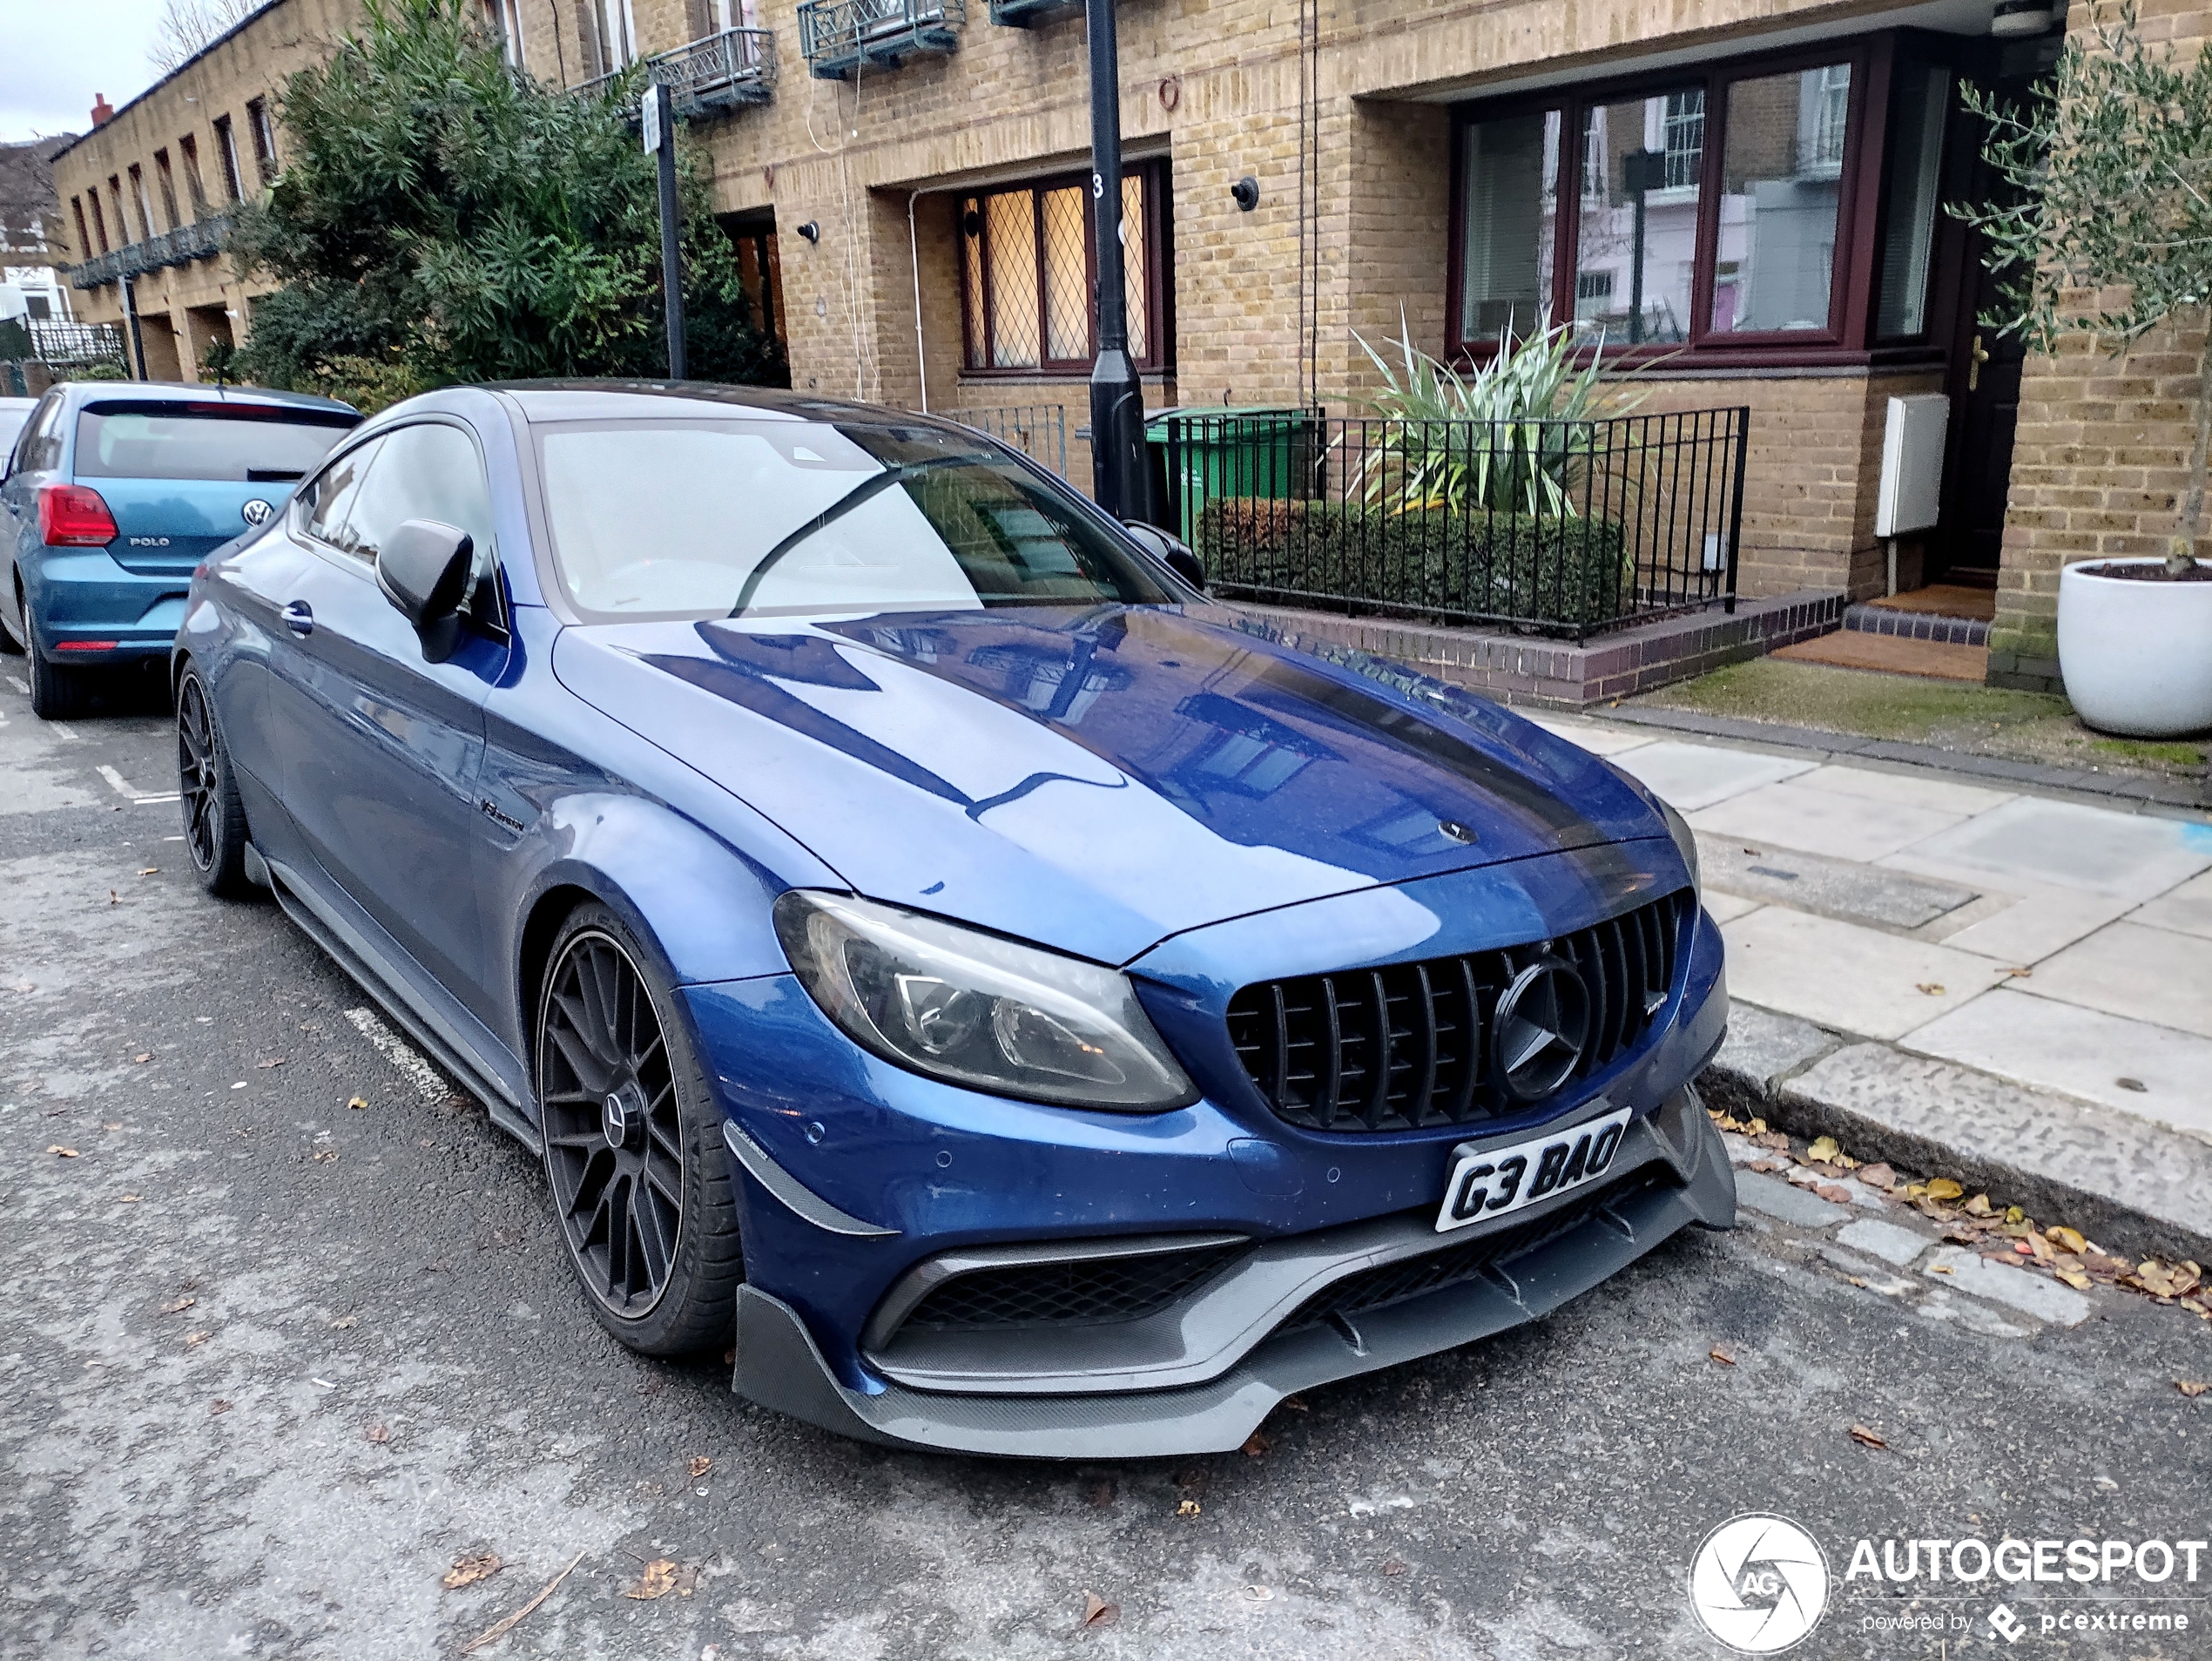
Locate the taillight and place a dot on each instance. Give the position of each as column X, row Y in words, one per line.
column 71, row 516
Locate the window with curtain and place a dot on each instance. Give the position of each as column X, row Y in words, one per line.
column 1027, row 278
column 1714, row 206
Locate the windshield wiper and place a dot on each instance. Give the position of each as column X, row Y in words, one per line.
column 859, row 495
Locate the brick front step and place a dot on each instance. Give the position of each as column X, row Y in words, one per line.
column 1528, row 669
column 1917, row 625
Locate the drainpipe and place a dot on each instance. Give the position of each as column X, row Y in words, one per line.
column 914, row 256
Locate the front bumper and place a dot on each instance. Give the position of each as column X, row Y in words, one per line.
column 1244, row 1346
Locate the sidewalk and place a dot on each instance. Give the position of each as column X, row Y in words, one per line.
column 2009, row 988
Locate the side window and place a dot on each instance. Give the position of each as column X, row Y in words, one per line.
column 40, row 447
column 325, row 503
column 430, row 471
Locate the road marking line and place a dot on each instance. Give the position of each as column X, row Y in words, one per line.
column 154, row 801
column 20, row 684
column 123, row 787
column 396, row 1050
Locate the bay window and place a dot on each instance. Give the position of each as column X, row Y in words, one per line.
column 1027, row 276
column 1768, row 210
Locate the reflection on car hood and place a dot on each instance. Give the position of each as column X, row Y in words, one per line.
column 1096, row 780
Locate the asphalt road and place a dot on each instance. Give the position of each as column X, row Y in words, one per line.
column 270, row 1364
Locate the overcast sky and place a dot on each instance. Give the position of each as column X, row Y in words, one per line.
column 57, row 53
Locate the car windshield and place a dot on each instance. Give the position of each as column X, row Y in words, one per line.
column 763, row 518
column 247, row 443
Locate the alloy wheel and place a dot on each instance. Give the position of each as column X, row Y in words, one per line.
column 198, row 779
column 613, row 1144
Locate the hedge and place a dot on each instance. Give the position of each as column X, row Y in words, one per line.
column 1569, row 571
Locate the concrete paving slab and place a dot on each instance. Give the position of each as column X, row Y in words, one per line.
column 1941, row 1305
column 2040, row 922
column 1846, row 977
column 2186, row 910
column 1694, row 776
column 1796, row 816
column 2065, row 845
column 1914, row 789
column 2135, row 1185
column 2126, row 970
column 1895, row 1246
column 1727, row 908
column 2059, row 1046
column 1844, row 888
column 1779, row 1200
column 1596, row 739
column 2032, row 1294
column 1763, row 1048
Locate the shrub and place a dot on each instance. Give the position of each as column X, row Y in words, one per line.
column 1438, row 561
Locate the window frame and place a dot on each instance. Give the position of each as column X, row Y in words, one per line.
column 263, row 131
column 1154, row 234
column 226, row 147
column 1849, row 338
column 195, row 182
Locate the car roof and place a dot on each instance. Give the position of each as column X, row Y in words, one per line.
column 18, row 403
column 200, row 392
column 546, row 401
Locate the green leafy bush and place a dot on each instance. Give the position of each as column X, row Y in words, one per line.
column 1438, row 561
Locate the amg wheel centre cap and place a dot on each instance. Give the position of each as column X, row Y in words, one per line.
column 1540, row 1029
column 619, row 1117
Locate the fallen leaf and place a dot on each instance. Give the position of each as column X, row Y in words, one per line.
column 467, row 1570
column 2067, row 1239
column 1856, row 1280
column 1767, row 1138
column 499, row 1630
column 1979, row 1205
column 381, row 1434
column 1188, row 1508
column 1296, row 1404
column 1393, row 1567
column 699, row 1466
column 2020, row 974
column 1834, row 1192
column 1098, row 1612
column 356, row 1103
column 343, row 1321
column 1944, row 1188
column 1722, row 1356
column 2075, row 1278
column 66, row 1153
column 2014, row 1214
column 1866, row 1438
column 193, row 1340
column 2023, row 1248
column 323, row 1156
column 1767, row 1167
column 273, row 1061
column 687, row 1580
column 130, row 1199
column 1256, row 1445
column 149, row 870
column 1877, row 1175
column 2136, row 1084
column 2192, row 1388
column 1933, row 989
column 217, row 1407
column 143, row 1055
column 113, row 898
column 1823, row 1150
column 1756, row 1127
column 179, row 1306
column 657, row 1580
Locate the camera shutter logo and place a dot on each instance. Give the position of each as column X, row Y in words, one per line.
column 1759, row 1584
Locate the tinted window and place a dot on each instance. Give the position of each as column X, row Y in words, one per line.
column 716, row 518
column 425, row 472
column 42, row 441
column 173, row 441
column 324, row 504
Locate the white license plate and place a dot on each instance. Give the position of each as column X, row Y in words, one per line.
column 1496, row 1182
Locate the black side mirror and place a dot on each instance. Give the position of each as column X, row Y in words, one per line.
column 423, row 569
column 1172, row 551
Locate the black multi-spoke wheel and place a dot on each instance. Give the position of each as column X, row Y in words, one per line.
column 215, row 818
column 632, row 1150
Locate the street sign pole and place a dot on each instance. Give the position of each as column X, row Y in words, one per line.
column 659, row 129
column 1120, row 480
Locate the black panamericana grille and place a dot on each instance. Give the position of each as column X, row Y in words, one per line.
column 1087, row 1291
column 1404, row 1047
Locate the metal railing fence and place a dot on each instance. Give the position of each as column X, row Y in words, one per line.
column 1039, row 431
column 1563, row 528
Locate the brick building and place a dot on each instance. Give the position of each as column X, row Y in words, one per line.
column 1745, row 194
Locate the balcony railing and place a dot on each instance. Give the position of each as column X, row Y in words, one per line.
column 201, row 239
column 1027, row 14
column 839, row 36
column 1553, row 527
column 709, row 77
column 76, row 346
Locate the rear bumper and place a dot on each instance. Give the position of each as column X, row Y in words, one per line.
column 80, row 595
column 1676, row 1174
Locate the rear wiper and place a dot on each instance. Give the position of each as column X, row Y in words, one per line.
column 859, row 494
column 275, row 475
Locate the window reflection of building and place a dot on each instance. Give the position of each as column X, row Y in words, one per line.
column 1060, row 686
column 1242, row 750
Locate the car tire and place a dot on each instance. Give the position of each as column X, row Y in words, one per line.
column 57, row 692
column 634, row 1157
column 215, row 833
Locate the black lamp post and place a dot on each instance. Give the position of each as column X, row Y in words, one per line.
column 1120, row 480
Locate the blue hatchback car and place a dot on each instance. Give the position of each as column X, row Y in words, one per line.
column 109, row 496
column 1035, row 1010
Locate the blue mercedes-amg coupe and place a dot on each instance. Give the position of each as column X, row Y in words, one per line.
column 1037, row 1011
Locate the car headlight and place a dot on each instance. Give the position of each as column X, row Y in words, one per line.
column 1685, row 844
column 975, row 1009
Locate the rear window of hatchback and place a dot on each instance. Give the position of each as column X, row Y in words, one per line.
column 242, row 443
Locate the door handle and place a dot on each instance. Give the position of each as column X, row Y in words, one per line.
column 299, row 617
column 1980, row 357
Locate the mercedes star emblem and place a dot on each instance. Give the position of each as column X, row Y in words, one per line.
column 256, row 511
column 1541, row 1025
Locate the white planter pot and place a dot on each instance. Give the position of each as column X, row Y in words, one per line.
column 2136, row 656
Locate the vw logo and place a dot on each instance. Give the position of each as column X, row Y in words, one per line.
column 1540, row 1028
column 256, row 511
column 1758, row 1584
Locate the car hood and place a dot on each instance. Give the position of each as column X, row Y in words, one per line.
column 1097, row 780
